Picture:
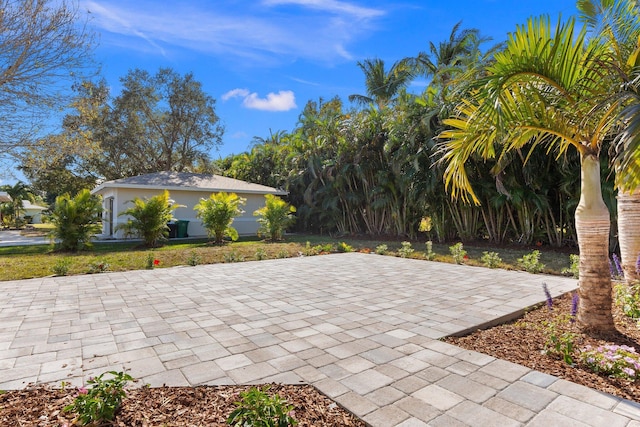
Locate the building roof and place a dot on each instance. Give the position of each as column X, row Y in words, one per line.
column 189, row 182
column 4, row 196
column 28, row 205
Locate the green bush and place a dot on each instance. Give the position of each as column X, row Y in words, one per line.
column 405, row 250
column 76, row 220
column 382, row 249
column 99, row 404
column 61, row 267
column 150, row 218
column 217, row 214
column 344, row 247
column 429, row 253
column 491, row 259
column 458, row 253
column 531, row 262
column 274, row 217
column 257, row 409
column 574, row 267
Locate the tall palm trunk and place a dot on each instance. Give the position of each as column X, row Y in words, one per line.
column 592, row 226
column 629, row 232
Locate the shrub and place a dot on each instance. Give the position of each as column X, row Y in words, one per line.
column 99, row 404
column 261, row 254
column 429, row 253
column 458, row 253
column 256, row 408
column 76, row 220
column 274, row 217
column 194, row 259
column 344, row 247
column 98, row 267
column 491, row 259
column 382, row 249
column 531, row 262
column 61, row 267
column 405, row 249
column 150, row 218
column 151, row 262
column 217, row 214
column 574, row 266
column 283, row 253
column 233, row 256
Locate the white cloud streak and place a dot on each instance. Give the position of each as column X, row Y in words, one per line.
column 284, row 100
column 247, row 31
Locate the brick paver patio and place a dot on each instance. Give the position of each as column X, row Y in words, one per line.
column 362, row 328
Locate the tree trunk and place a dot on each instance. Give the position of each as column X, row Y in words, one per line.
column 629, row 233
column 592, row 227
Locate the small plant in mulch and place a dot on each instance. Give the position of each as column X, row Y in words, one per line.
column 618, row 361
column 61, row 267
column 429, row 253
column 257, row 409
column 491, row 259
column 151, row 262
column 100, row 403
column 344, row 247
column 382, row 249
column 531, row 262
column 405, row 250
column 458, row 253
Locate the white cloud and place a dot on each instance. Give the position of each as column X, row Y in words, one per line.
column 235, row 93
column 332, row 6
column 284, row 100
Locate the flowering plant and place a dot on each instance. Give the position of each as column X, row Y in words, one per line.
column 619, row 361
column 101, row 402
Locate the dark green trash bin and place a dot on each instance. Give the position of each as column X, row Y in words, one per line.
column 182, row 228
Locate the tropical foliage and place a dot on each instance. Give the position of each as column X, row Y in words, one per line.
column 76, row 220
column 274, row 217
column 149, row 218
column 217, row 214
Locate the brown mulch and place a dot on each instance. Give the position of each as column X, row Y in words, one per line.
column 522, row 342
column 170, row 406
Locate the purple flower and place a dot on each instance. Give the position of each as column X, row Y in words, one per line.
column 612, row 271
column 548, row 295
column 574, row 306
column 638, row 264
column 616, row 262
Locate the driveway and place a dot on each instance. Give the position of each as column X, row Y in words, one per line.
column 362, row 328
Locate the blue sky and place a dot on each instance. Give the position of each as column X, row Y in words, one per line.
column 263, row 60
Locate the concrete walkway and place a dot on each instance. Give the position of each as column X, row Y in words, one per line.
column 362, row 328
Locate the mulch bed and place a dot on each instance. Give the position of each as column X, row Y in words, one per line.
column 522, row 342
column 170, row 406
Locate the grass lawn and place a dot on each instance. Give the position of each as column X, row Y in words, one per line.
column 22, row 262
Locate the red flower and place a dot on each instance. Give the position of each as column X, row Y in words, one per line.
column 466, row 257
column 156, row 262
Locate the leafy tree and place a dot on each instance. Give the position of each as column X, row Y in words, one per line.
column 274, row 217
column 545, row 88
column 217, row 214
column 44, row 46
column 76, row 220
column 149, row 218
column 161, row 122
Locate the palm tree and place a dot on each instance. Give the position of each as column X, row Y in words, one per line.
column 545, row 89
column 382, row 86
column 618, row 22
column 19, row 192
